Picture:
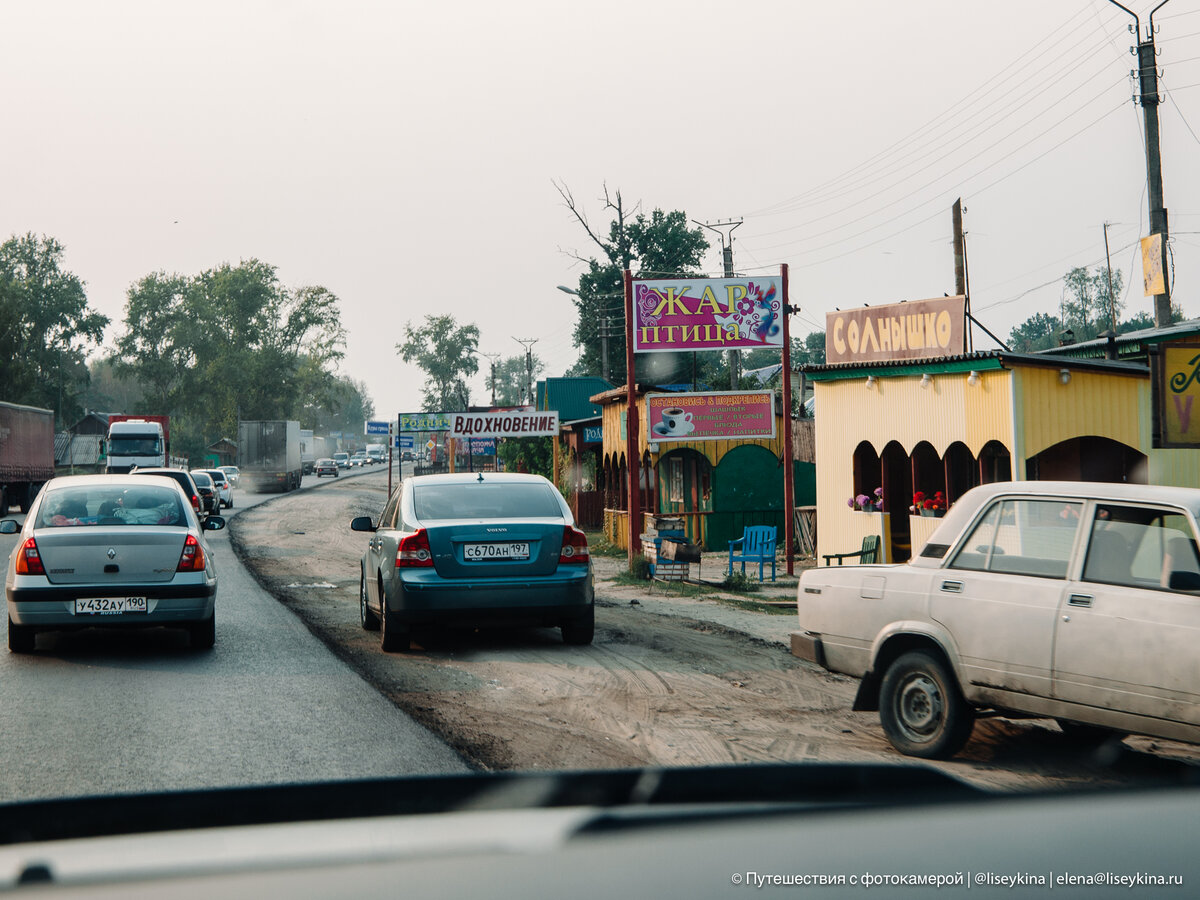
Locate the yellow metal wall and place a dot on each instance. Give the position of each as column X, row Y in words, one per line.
column 899, row 408
column 1091, row 403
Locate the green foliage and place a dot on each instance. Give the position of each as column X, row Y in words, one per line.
column 740, row 584
column 655, row 246
column 512, row 377
column 533, row 454
column 1085, row 312
column 229, row 343
column 446, row 352
column 45, row 328
column 600, row 545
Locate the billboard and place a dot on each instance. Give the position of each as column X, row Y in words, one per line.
column 676, row 314
column 918, row 329
column 1178, row 390
column 717, row 416
column 424, row 421
column 542, row 423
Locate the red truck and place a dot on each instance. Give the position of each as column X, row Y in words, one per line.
column 26, row 454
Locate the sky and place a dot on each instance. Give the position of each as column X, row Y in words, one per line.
column 405, row 155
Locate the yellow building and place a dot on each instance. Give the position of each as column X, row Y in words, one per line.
column 950, row 423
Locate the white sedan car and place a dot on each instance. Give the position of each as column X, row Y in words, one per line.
column 110, row 551
column 1065, row 600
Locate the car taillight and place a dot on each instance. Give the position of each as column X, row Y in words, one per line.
column 192, row 557
column 574, row 546
column 414, row 551
column 29, row 561
column 195, row 503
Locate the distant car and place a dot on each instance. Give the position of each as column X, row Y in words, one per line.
column 184, row 480
column 360, row 458
column 223, row 486
column 342, row 460
column 478, row 550
column 232, row 473
column 1067, row 600
column 111, row 551
column 208, row 491
column 406, row 456
column 326, row 467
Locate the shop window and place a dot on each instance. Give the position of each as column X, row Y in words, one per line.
column 674, row 479
column 868, row 471
column 995, row 463
column 962, row 470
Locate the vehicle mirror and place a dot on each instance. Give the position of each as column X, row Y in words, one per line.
column 214, row 523
column 9, row 526
column 1184, row 581
column 361, row 523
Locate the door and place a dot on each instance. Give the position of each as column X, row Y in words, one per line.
column 1124, row 639
column 381, row 550
column 1000, row 593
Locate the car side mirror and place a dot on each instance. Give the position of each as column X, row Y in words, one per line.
column 214, row 523
column 361, row 523
column 1179, row 581
column 9, row 526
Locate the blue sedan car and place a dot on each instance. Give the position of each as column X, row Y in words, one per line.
column 477, row 549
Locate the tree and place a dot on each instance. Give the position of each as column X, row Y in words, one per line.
column 230, row 343
column 446, row 352
column 512, row 376
column 1039, row 332
column 45, row 327
column 656, row 246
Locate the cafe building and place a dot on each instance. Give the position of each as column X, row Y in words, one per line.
column 907, row 421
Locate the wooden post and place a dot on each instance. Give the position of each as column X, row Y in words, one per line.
column 632, row 456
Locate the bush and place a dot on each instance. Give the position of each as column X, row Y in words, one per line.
column 739, row 583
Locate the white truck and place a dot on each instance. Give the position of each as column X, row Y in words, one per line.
column 377, row 453
column 136, row 443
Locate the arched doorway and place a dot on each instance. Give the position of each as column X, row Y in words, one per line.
column 1088, row 458
column 897, row 497
column 684, row 480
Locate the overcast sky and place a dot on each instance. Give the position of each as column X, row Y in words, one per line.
column 403, row 154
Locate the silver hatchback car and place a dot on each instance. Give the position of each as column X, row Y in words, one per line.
column 110, row 551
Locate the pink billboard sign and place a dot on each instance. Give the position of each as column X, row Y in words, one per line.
column 721, row 416
column 707, row 314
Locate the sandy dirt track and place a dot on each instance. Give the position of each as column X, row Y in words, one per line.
column 669, row 681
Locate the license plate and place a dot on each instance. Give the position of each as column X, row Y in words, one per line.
column 477, row 552
column 109, row 606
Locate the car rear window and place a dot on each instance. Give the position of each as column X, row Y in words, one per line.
column 481, row 500
column 149, row 505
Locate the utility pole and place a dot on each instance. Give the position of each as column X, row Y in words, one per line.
column 727, row 260
column 1112, row 304
column 1147, row 74
column 492, row 357
column 528, row 343
column 961, row 288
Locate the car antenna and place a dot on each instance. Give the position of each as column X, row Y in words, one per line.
column 481, row 476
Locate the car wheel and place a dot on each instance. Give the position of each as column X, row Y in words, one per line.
column 922, row 709
column 370, row 621
column 580, row 631
column 20, row 637
column 203, row 635
column 392, row 638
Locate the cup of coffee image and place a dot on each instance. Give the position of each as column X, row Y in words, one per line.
column 675, row 420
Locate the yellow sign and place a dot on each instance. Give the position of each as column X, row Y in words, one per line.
column 1152, row 266
column 1180, row 395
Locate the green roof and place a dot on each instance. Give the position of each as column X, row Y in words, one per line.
column 570, row 396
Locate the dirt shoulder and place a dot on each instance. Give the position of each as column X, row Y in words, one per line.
column 674, row 677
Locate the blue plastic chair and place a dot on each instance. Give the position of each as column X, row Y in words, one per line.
column 757, row 545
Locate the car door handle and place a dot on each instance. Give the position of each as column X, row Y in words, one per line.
column 1079, row 600
column 954, row 587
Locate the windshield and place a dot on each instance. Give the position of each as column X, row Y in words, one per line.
column 626, row 248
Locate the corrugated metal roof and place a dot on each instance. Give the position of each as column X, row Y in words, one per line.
column 1131, row 344
column 980, row 359
column 572, row 396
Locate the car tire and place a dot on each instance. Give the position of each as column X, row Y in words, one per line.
column 203, row 635
column 368, row 619
column 392, row 638
column 21, row 638
column 922, row 709
column 579, row 632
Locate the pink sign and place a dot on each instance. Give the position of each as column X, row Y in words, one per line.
column 707, row 314
column 727, row 415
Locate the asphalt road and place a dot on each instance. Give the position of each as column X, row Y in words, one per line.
column 100, row 712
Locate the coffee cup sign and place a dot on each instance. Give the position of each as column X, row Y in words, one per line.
column 675, row 420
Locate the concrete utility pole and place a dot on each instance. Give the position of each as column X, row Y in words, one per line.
column 491, row 358
column 1147, row 74
column 727, row 258
column 1112, row 303
column 528, row 343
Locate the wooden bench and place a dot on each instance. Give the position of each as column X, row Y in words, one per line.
column 868, row 554
column 757, row 545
